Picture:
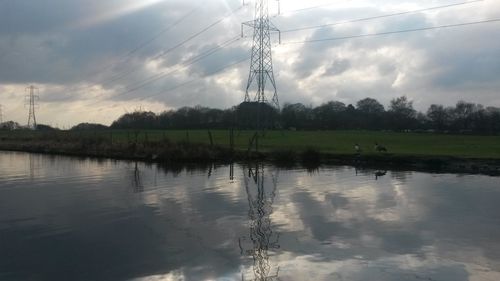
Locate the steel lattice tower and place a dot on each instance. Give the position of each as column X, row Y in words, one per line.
column 31, row 100
column 261, row 66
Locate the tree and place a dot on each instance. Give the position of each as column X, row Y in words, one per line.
column 43, row 127
column 438, row 116
column 464, row 115
column 256, row 115
column 10, row 125
column 402, row 113
column 88, row 127
column 370, row 106
column 136, row 120
column 493, row 114
column 330, row 114
column 403, row 107
column 295, row 116
column 370, row 114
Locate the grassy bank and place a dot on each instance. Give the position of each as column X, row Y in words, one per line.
column 449, row 152
column 332, row 142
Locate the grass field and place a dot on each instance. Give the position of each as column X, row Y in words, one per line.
column 335, row 142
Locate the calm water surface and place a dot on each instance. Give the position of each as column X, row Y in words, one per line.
column 71, row 219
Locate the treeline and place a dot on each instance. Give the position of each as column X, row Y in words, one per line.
column 367, row 114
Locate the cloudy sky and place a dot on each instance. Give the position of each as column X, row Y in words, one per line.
column 95, row 60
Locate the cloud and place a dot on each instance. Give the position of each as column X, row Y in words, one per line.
column 68, row 47
column 338, row 66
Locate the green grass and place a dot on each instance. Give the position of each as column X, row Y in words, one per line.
column 337, row 142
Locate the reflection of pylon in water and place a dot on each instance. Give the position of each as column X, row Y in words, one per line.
column 137, row 180
column 262, row 236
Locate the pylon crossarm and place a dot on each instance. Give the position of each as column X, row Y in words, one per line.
column 272, row 27
column 251, row 23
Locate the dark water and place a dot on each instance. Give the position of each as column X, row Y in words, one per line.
column 69, row 219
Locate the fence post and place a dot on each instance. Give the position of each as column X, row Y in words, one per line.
column 231, row 139
column 253, row 140
column 146, row 139
column 257, row 142
column 210, row 138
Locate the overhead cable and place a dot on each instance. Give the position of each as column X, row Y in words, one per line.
column 392, row 32
column 381, row 16
column 186, row 63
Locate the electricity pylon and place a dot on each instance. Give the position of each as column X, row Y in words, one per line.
column 261, row 65
column 1, row 116
column 31, row 100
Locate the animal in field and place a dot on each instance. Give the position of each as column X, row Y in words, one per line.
column 380, row 148
column 357, row 148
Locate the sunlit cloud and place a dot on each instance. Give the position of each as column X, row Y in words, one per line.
column 111, row 12
column 66, row 53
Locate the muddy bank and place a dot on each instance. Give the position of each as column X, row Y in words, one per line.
column 185, row 152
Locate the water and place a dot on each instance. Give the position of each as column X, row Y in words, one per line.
column 72, row 219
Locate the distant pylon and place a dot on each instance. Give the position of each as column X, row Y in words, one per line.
column 261, row 66
column 1, row 116
column 31, row 99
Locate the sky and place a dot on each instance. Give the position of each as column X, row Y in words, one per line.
column 93, row 61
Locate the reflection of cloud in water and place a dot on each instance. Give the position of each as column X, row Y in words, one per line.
column 381, row 219
column 172, row 276
column 333, row 225
column 399, row 268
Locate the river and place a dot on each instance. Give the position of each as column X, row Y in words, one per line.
column 77, row 219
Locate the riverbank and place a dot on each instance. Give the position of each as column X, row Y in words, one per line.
column 171, row 152
column 334, row 142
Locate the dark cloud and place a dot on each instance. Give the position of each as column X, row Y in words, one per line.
column 219, row 60
column 80, row 44
column 337, row 67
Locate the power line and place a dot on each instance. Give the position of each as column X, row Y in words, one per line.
column 393, row 32
column 193, row 80
column 196, row 34
column 304, row 9
column 382, row 16
column 156, row 36
column 163, row 31
column 121, row 76
column 12, row 111
column 190, row 61
column 186, row 63
column 145, row 43
column 188, row 82
column 163, row 53
column 126, row 73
